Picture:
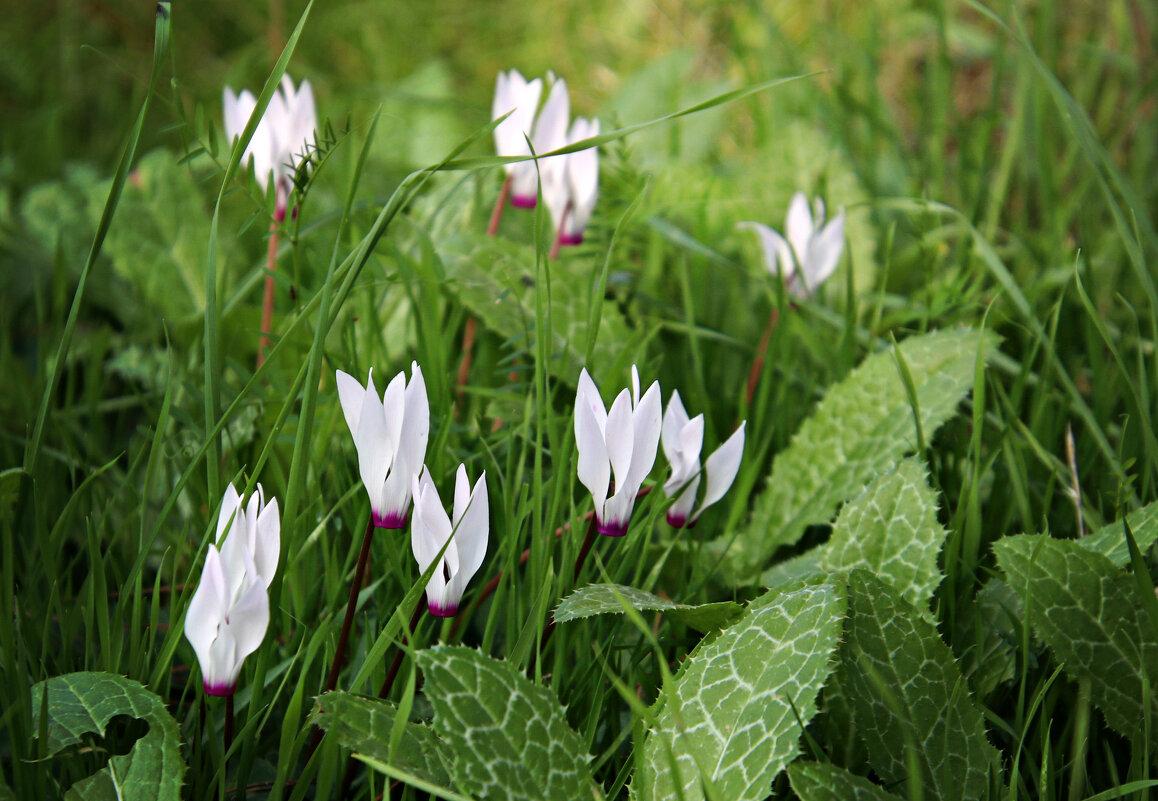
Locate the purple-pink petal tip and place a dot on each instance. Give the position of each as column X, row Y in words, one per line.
column 219, row 690
column 524, row 201
column 676, row 520
column 443, row 611
column 571, row 239
column 391, row 520
column 614, row 528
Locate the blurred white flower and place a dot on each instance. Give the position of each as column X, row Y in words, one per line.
column 516, row 94
column 682, row 441
column 811, row 251
column 571, row 184
column 432, row 529
column 229, row 612
column 390, row 434
column 622, row 442
column 284, row 135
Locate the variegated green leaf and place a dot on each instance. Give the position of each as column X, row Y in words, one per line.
column 84, row 703
column 365, row 725
column 910, row 703
column 601, row 599
column 1085, row 609
column 988, row 636
column 509, row 737
column 861, row 428
column 1110, row 540
column 816, row 781
column 732, row 719
column 891, row 528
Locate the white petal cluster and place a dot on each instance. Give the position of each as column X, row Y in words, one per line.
column 683, row 440
column 811, row 251
column 621, row 442
column 431, row 529
column 229, row 612
column 283, row 136
column 571, row 181
column 390, row 434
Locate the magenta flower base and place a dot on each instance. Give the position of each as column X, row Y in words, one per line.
column 524, row 201
column 393, row 520
column 571, row 239
column 676, row 521
column 219, row 690
column 613, row 529
column 442, row 611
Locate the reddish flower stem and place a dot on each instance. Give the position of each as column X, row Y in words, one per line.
column 270, row 266
column 500, row 205
column 761, row 352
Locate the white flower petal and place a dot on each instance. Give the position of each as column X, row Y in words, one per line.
column 777, row 254
column 798, row 225
column 620, row 438
column 674, row 419
column 350, row 393
column 646, row 423
column 472, row 531
column 679, row 512
column 721, row 468
column 207, row 609
column 375, row 450
column 824, row 252
column 268, row 538
column 594, row 468
column 230, row 511
column 248, row 621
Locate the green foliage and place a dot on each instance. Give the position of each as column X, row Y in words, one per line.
column 891, row 529
column 1085, row 608
column 602, row 599
column 509, row 737
column 1110, row 540
column 819, row 781
column 82, row 704
column 732, row 718
column 988, row 643
column 910, row 703
column 367, row 726
column 861, row 428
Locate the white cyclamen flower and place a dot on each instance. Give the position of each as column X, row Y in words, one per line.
column 390, row 434
column 516, row 94
column 571, row 184
column 282, row 137
column 682, row 441
column 229, row 613
column 432, row 529
column 811, row 251
column 620, row 442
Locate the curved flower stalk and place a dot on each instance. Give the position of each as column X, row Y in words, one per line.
column 432, row 529
column 682, row 441
column 620, row 442
column 229, row 614
column 390, row 434
column 516, row 94
column 811, row 251
column 571, row 184
column 282, row 137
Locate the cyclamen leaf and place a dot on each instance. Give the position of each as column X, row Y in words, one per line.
column 598, row 599
column 891, row 529
column 861, row 428
column 815, row 781
column 731, row 718
column 364, row 725
column 988, row 636
column 1110, row 541
column 910, row 703
column 1085, row 609
column 509, row 737
column 84, row 703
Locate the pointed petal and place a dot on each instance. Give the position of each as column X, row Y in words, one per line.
column 593, row 467
column 461, row 494
column 634, row 386
column 620, row 437
column 722, row 467
column 824, row 252
column 646, row 423
column 416, row 428
column 268, row 549
column 248, row 621
column 674, row 419
column 350, row 393
column 472, row 531
column 798, row 225
column 375, row 450
column 394, row 413
column 777, row 254
column 206, row 609
column 588, row 395
column 686, row 463
column 582, row 177
column 430, row 528
column 230, row 511
column 551, row 127
column 679, row 512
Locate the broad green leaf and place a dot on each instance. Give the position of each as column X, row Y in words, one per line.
column 364, row 725
column 601, row 599
column 910, row 703
column 1085, row 609
column 816, row 781
column 495, row 279
column 891, row 529
column 861, row 428
column 509, row 737
column 84, row 703
column 733, row 717
column 1110, row 540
